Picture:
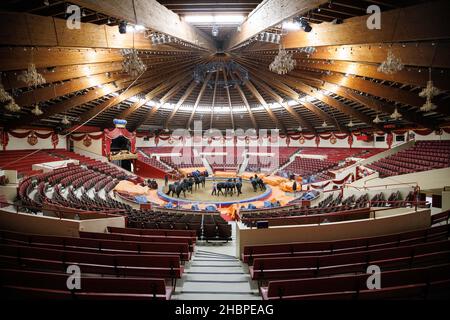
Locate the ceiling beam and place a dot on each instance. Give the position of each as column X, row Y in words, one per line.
column 383, row 91
column 199, row 98
column 371, row 103
column 169, row 95
column 214, row 100
column 152, row 15
column 268, row 14
column 64, row 106
column 263, row 102
column 228, row 98
column 332, row 102
column 277, row 82
column 410, row 75
column 322, row 114
column 39, row 95
column 426, row 21
column 183, row 98
column 301, row 121
column 34, row 30
column 165, row 82
column 244, row 99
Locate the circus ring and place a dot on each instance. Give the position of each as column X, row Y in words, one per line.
column 203, row 195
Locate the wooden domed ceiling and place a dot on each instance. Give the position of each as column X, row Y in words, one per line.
column 335, row 83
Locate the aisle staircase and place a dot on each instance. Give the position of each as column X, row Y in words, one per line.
column 215, row 274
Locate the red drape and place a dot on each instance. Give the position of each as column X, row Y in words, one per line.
column 114, row 134
column 21, row 135
column 84, row 136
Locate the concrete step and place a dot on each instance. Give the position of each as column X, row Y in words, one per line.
column 215, row 296
column 215, row 277
column 216, row 287
column 215, row 263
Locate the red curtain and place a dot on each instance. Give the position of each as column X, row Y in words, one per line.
column 117, row 132
column 84, row 136
column 22, row 135
column 423, row 132
column 390, row 139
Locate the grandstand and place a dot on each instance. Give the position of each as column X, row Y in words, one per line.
column 231, row 151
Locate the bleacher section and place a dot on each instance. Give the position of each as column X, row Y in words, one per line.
column 114, row 266
column 257, row 162
column 424, row 155
column 414, row 265
column 12, row 160
column 152, row 161
column 331, row 209
column 225, row 162
column 330, row 159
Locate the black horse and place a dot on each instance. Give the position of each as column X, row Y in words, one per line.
column 228, row 186
column 254, row 183
column 200, row 180
column 261, row 184
column 221, row 186
column 189, row 184
column 177, row 188
column 239, row 187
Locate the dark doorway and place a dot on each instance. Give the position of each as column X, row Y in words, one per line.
column 120, row 143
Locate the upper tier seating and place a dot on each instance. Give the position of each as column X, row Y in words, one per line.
column 12, row 160
column 152, row 161
column 224, row 162
column 72, row 178
column 282, row 155
column 307, row 167
column 93, row 164
column 424, row 155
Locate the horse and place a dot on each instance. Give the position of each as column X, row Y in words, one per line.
column 177, row 188
column 254, row 183
column 261, row 184
column 220, row 186
column 189, row 184
column 239, row 187
column 200, row 180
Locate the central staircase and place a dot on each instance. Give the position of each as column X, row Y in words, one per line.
column 212, row 275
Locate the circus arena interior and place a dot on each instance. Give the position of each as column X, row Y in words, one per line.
column 225, row 150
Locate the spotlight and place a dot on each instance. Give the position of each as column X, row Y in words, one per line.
column 122, row 27
column 303, row 24
column 215, row 31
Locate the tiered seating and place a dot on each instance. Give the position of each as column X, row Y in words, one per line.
column 307, row 166
column 71, row 178
column 156, row 150
column 282, row 155
column 229, row 162
column 215, row 228
column 93, row 164
column 340, row 154
column 414, row 264
column 182, row 162
column 208, row 226
column 24, row 166
column 154, row 163
column 424, row 155
column 114, row 266
column 328, row 210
